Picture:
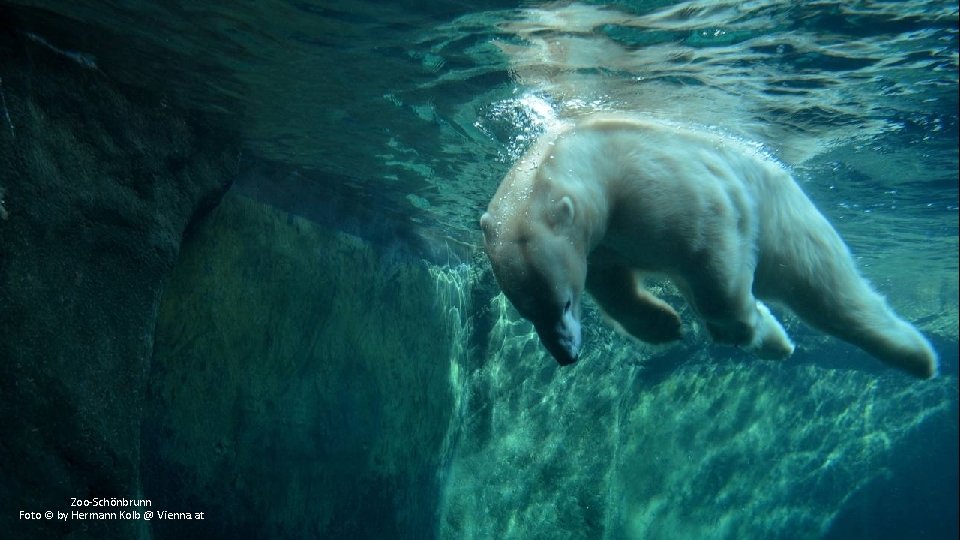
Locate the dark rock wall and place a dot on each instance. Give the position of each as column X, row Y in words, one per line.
column 97, row 188
column 300, row 386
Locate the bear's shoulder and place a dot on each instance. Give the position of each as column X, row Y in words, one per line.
column 672, row 137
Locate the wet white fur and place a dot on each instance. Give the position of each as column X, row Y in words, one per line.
column 721, row 219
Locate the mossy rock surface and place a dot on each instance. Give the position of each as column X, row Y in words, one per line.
column 697, row 441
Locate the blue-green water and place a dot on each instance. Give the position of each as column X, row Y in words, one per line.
column 394, row 122
column 431, row 101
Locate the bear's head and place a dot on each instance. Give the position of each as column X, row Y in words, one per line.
column 540, row 265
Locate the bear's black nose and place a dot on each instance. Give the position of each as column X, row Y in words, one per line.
column 562, row 350
column 565, row 360
column 561, row 338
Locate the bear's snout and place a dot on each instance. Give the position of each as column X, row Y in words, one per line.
column 562, row 339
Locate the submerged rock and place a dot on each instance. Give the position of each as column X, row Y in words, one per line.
column 689, row 442
column 300, row 385
column 97, row 190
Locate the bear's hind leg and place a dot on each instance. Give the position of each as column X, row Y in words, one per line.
column 639, row 313
column 841, row 303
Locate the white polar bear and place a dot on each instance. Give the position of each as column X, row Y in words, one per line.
column 593, row 205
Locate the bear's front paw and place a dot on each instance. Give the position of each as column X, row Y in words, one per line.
column 660, row 326
column 775, row 349
column 770, row 340
column 664, row 328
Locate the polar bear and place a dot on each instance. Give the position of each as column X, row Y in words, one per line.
column 594, row 205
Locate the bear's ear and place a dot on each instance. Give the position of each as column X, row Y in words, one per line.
column 486, row 223
column 565, row 211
